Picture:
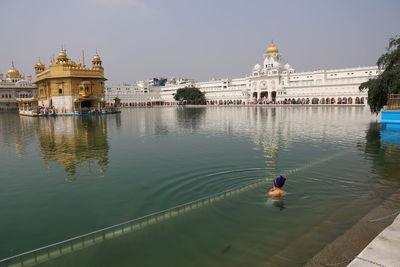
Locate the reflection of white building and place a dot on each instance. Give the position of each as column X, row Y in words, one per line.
column 14, row 87
column 273, row 82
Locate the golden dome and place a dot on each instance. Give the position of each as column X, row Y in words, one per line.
column 96, row 58
column 13, row 72
column 62, row 55
column 39, row 65
column 272, row 48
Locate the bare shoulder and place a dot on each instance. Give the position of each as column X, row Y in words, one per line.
column 276, row 193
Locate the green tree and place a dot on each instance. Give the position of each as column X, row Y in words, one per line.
column 388, row 81
column 190, row 94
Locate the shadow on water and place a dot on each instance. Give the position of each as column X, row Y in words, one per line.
column 190, row 118
column 276, row 203
column 383, row 150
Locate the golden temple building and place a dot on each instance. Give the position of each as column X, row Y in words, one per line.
column 68, row 88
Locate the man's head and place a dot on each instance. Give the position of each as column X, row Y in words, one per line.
column 279, row 182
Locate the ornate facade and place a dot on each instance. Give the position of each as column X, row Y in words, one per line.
column 273, row 82
column 67, row 88
column 141, row 93
column 13, row 88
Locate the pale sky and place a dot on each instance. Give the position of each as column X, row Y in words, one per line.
column 204, row 39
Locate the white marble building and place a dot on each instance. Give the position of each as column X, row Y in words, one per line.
column 275, row 82
column 141, row 93
column 14, row 87
column 269, row 82
column 282, row 84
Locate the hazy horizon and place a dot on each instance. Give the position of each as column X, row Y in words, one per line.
column 140, row 39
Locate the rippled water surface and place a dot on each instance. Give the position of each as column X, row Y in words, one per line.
column 65, row 176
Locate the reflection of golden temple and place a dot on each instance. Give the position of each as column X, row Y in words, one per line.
column 73, row 142
column 67, row 87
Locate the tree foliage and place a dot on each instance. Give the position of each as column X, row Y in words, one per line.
column 191, row 95
column 388, row 81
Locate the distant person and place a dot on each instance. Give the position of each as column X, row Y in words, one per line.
column 276, row 191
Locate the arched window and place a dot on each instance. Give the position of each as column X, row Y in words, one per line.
column 60, row 91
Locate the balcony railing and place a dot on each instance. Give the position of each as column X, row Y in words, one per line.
column 393, row 102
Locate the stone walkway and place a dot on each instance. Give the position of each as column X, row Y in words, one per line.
column 384, row 250
column 356, row 240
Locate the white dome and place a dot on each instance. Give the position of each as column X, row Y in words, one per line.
column 287, row 66
column 257, row 67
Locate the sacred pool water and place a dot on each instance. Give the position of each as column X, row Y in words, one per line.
column 66, row 176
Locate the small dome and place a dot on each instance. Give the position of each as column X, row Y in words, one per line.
column 96, row 58
column 39, row 65
column 272, row 48
column 62, row 55
column 257, row 67
column 13, row 72
column 287, row 66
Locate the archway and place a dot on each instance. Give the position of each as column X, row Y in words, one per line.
column 86, row 104
column 350, row 100
column 255, row 94
column 273, row 96
column 362, row 100
column 264, row 94
column 315, row 100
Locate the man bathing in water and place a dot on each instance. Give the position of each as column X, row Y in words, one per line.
column 276, row 191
